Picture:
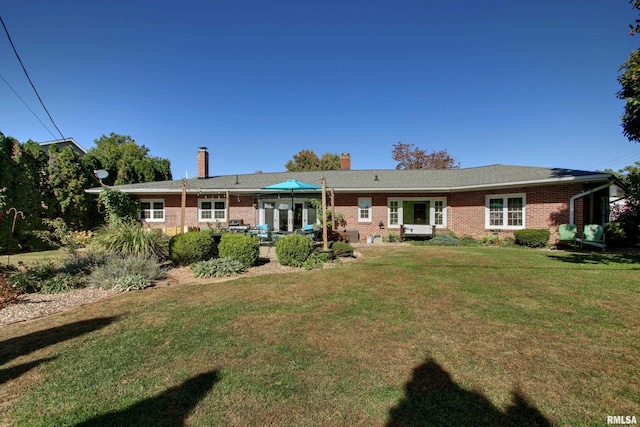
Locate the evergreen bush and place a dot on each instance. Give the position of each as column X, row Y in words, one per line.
column 241, row 247
column 293, row 250
column 444, row 240
column 194, row 246
column 342, row 249
column 532, row 237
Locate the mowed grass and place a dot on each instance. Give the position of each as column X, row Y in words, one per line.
column 31, row 258
column 402, row 336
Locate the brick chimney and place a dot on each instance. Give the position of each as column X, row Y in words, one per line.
column 203, row 162
column 345, row 161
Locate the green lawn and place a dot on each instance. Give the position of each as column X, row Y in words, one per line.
column 402, row 336
column 31, row 258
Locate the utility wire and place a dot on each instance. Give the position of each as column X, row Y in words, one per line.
column 623, row 158
column 29, row 78
column 26, row 105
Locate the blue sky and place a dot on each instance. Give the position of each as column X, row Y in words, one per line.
column 496, row 81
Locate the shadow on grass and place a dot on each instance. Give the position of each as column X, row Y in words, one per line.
column 597, row 258
column 433, row 399
column 20, row 346
column 14, row 372
column 170, row 408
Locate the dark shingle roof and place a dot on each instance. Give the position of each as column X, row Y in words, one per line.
column 383, row 180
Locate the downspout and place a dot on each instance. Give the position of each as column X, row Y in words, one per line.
column 577, row 196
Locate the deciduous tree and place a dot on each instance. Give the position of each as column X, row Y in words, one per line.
column 69, row 179
column 126, row 161
column 629, row 80
column 409, row 157
column 308, row 160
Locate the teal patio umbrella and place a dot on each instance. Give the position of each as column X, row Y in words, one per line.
column 292, row 185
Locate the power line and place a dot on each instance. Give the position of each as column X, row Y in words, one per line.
column 26, row 105
column 29, row 78
column 620, row 159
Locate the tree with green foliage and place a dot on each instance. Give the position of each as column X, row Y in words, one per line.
column 629, row 80
column 126, row 161
column 69, row 179
column 308, row 160
column 626, row 222
column 18, row 190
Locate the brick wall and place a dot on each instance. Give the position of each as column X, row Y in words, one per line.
column 546, row 207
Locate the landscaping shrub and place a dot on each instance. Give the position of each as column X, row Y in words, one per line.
column 194, row 246
column 131, row 238
column 55, row 277
column 120, row 272
column 293, row 250
column 616, row 235
column 62, row 282
column 341, row 249
column 443, row 240
column 58, row 235
column 218, row 267
column 532, row 237
column 467, row 240
column 241, row 247
column 8, row 293
column 315, row 260
column 391, row 237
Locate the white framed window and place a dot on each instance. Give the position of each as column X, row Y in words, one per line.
column 364, row 209
column 505, row 211
column 152, row 210
column 212, row 210
column 438, row 213
column 393, row 217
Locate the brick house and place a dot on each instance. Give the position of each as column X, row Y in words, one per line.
column 472, row 201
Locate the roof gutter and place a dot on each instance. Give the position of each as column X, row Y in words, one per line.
column 572, row 201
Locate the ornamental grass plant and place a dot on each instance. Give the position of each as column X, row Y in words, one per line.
column 131, row 238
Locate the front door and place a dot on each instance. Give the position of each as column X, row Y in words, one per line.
column 415, row 212
column 420, row 213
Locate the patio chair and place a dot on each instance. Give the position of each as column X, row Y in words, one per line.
column 311, row 232
column 263, row 232
column 567, row 234
column 592, row 234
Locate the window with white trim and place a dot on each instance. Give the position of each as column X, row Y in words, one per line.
column 212, row 210
column 152, row 210
column 394, row 212
column 364, row 209
column 505, row 211
column 438, row 212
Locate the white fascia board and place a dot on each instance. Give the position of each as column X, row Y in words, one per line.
column 536, row 182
